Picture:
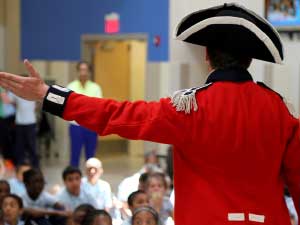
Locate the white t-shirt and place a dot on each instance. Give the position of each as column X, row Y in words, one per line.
column 25, row 110
column 71, row 201
column 17, row 187
column 101, row 192
column 127, row 186
column 44, row 201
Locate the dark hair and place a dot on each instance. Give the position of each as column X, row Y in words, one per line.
column 30, row 173
column 90, row 217
column 133, row 195
column 146, row 209
column 225, row 60
column 160, row 176
column 86, row 63
column 15, row 197
column 70, row 170
column 5, row 183
column 86, row 208
column 144, row 177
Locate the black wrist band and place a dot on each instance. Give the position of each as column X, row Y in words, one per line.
column 56, row 99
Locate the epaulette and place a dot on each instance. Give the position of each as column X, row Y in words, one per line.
column 185, row 100
column 288, row 104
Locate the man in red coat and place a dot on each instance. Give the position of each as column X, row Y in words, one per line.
column 236, row 145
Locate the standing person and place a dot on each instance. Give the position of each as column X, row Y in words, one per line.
column 235, row 142
column 98, row 188
column 81, row 136
column 25, row 140
column 7, row 126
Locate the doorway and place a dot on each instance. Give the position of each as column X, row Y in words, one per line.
column 119, row 64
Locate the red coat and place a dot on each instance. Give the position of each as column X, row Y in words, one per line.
column 232, row 156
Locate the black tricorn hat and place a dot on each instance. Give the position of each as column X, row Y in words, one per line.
column 232, row 28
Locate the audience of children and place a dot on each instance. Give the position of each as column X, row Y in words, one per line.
column 88, row 200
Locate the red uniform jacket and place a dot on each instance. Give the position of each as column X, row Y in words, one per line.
column 233, row 152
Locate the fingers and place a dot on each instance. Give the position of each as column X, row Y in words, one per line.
column 30, row 69
column 11, row 86
column 12, row 77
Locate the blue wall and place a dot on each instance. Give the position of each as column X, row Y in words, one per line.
column 51, row 29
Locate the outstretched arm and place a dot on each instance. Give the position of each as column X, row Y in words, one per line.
column 153, row 121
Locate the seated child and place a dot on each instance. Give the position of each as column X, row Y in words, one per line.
column 145, row 215
column 16, row 183
column 97, row 187
column 80, row 213
column 38, row 203
column 156, row 187
column 73, row 195
column 97, row 217
column 12, row 208
column 136, row 200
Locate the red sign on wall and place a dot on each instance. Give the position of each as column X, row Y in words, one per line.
column 112, row 23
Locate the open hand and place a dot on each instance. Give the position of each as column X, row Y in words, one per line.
column 31, row 88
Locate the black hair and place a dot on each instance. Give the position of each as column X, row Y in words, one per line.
column 70, row 170
column 86, row 208
column 146, row 209
column 86, row 63
column 160, row 176
column 15, row 197
column 143, row 178
column 133, row 195
column 5, row 182
column 30, row 173
column 220, row 59
column 90, row 217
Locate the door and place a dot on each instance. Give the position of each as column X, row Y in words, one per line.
column 119, row 68
column 112, row 69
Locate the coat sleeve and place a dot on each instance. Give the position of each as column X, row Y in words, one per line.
column 291, row 167
column 152, row 121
